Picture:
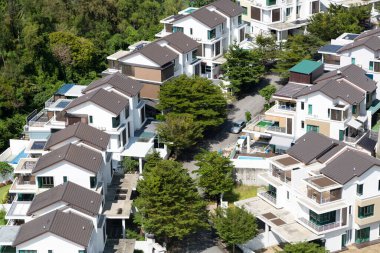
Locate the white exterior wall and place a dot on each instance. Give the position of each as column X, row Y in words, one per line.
column 139, row 58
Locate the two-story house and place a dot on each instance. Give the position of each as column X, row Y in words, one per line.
column 322, row 191
column 359, row 49
column 280, row 18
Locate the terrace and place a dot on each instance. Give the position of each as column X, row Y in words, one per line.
column 261, row 125
column 24, row 184
column 25, row 165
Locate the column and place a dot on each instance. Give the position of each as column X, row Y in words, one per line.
column 123, row 225
column 248, row 143
column 140, row 165
column 266, row 234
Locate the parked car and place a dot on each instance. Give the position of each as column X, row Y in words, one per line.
column 237, row 126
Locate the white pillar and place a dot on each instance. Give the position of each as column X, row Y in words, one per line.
column 266, row 234
column 140, row 165
column 248, row 143
column 123, row 225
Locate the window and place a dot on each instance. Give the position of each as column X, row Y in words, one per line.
column 353, row 60
column 359, row 189
column 302, row 105
column 322, row 219
column 127, row 112
column 191, row 31
column 64, row 179
column 379, row 229
column 354, row 108
column 194, row 55
column 27, row 251
column 93, row 182
column 81, row 251
column 310, row 109
column 287, row 195
column 298, row 9
column 312, row 128
column 288, row 11
column 275, row 14
column 302, row 124
column 239, row 20
column 362, row 235
column 45, row 182
column 366, row 211
column 370, row 65
column 349, row 210
column 50, row 251
column 115, row 121
column 211, row 34
column 90, row 119
column 177, row 29
column 217, row 48
column 245, row 10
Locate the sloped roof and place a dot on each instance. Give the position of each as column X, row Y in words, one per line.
column 83, row 157
column 206, row 17
column 88, row 134
column 306, row 67
column 118, row 81
column 353, row 74
column 368, row 33
column 290, row 90
column 336, row 89
column 348, row 165
column 372, row 42
column 75, row 196
column 69, row 226
column 158, row 54
column 227, row 7
column 110, row 101
column 180, row 42
column 311, row 146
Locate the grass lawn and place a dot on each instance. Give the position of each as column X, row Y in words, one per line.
column 240, row 192
column 376, row 127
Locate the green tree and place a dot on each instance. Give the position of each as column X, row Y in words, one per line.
column 10, row 128
column 338, row 20
column 169, row 204
column 196, row 96
column 215, row 173
column 234, row 225
column 199, row 3
column 267, row 48
column 152, row 160
column 243, row 68
column 179, row 131
column 267, row 93
column 304, row 247
column 296, row 48
column 5, row 169
column 129, row 164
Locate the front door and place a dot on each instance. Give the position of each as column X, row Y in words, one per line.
column 344, row 240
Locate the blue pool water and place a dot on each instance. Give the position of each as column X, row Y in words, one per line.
column 250, row 158
column 190, row 10
column 18, row 157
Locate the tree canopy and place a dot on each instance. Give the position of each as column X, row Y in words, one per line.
column 235, row 225
column 169, row 204
column 5, row 169
column 243, row 68
column 267, row 92
column 304, row 247
column 338, row 20
column 215, row 173
column 196, row 96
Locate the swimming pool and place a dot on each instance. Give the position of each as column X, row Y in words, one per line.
column 190, row 10
column 256, row 158
column 264, row 123
column 17, row 158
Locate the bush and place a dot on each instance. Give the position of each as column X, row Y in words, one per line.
column 130, row 165
column 248, row 116
column 9, row 182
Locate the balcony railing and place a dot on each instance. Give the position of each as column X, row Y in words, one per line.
column 49, row 102
column 319, row 228
column 268, row 196
column 276, row 129
column 286, row 107
column 354, row 139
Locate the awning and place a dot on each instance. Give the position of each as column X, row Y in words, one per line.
column 353, row 123
column 137, row 148
column 281, row 142
column 8, row 235
column 361, row 119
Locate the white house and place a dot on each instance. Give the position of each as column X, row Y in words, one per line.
column 323, row 191
column 359, row 49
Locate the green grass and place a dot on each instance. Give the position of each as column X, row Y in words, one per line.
column 240, row 192
column 376, row 127
column 4, row 191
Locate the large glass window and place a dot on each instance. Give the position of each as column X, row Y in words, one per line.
column 177, row 29
column 312, row 128
column 272, row 190
column 93, row 182
column 45, row 182
column 116, row 121
column 362, row 235
column 365, row 211
column 322, row 219
column 211, row 34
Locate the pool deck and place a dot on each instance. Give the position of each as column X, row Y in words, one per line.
column 258, row 154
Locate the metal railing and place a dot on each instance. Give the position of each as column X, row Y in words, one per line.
column 276, row 129
column 319, row 228
column 37, row 120
column 49, row 102
column 268, row 196
column 287, row 108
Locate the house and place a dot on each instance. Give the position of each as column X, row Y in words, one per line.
column 279, row 18
column 215, row 26
column 338, row 104
column 359, row 49
column 153, row 63
column 322, row 191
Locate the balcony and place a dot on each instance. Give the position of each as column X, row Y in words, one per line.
column 25, row 165
column 37, row 119
column 283, row 176
column 354, row 136
column 319, row 228
column 260, row 124
column 24, row 184
column 269, row 196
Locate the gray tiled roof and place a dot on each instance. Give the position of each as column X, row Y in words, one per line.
column 118, row 81
column 69, row 226
column 311, row 146
column 75, row 196
column 158, row 54
column 87, row 134
column 368, row 33
column 352, row 73
column 83, row 157
column 207, row 17
column 227, row 7
column 348, row 165
column 290, row 90
column 110, row 101
column 180, row 42
column 372, row 42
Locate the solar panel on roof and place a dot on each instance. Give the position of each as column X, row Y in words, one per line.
column 38, row 145
column 330, row 48
column 351, row 36
column 64, row 88
column 62, row 104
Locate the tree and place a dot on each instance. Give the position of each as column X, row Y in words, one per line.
column 243, row 68
column 196, row 96
column 304, row 247
column 129, row 164
column 152, row 160
column 199, row 3
column 296, row 48
column 179, row 131
column 338, row 20
column 267, row 93
column 215, row 173
column 267, row 47
column 234, row 225
column 5, row 169
column 169, row 204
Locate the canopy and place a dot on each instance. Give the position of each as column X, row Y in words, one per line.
column 281, row 142
column 353, row 123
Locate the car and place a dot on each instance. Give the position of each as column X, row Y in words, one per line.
column 237, row 126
